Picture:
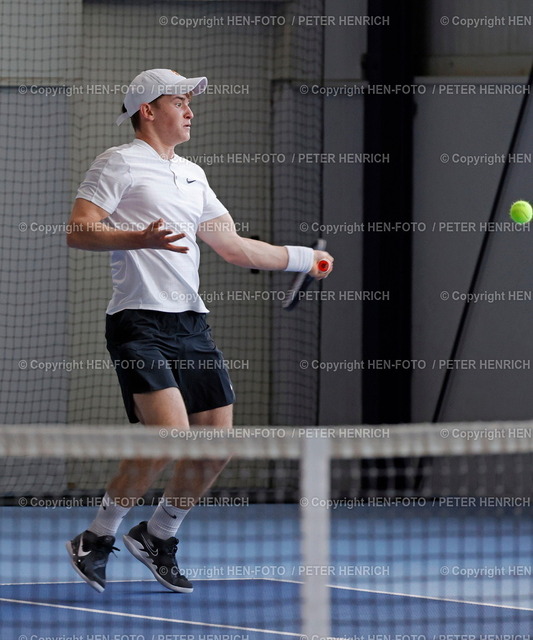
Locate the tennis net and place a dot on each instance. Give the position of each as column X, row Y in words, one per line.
column 419, row 531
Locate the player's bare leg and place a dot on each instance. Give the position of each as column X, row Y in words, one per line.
column 163, row 408
column 154, row 542
column 89, row 551
column 192, row 478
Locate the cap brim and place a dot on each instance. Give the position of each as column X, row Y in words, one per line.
column 122, row 118
column 200, row 87
column 190, row 85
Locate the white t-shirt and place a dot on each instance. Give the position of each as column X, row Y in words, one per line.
column 136, row 187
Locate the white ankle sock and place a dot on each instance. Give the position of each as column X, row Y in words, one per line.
column 166, row 520
column 108, row 518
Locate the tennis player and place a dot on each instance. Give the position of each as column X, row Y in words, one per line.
column 148, row 206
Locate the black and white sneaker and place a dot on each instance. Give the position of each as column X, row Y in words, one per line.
column 89, row 554
column 159, row 556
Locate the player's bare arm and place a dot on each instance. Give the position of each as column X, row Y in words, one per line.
column 87, row 230
column 221, row 235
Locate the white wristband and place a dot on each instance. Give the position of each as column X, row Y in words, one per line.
column 301, row 259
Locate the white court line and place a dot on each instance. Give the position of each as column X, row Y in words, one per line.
column 390, row 593
column 331, row 586
column 439, row 599
column 219, row 578
column 155, row 618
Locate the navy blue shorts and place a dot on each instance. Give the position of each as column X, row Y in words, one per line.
column 153, row 350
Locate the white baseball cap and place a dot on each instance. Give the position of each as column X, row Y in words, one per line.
column 151, row 84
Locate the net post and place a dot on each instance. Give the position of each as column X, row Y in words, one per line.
column 315, row 535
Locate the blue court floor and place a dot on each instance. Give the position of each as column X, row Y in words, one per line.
column 393, row 572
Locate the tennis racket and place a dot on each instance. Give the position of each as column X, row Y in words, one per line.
column 301, row 281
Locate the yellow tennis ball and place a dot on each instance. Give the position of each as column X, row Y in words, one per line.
column 521, row 212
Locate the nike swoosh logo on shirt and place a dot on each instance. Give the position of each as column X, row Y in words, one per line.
column 81, row 552
column 189, row 181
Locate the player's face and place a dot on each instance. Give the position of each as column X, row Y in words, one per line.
column 173, row 117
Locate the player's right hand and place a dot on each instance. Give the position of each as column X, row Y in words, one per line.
column 321, row 255
column 156, row 236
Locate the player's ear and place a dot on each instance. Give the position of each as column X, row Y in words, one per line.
column 146, row 111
